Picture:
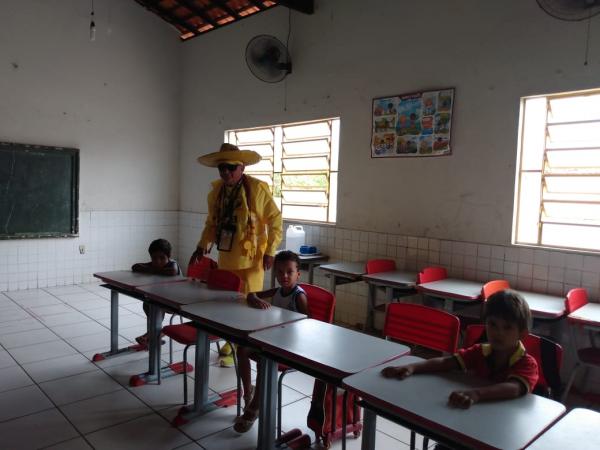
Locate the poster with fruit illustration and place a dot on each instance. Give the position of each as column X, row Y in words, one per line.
column 415, row 124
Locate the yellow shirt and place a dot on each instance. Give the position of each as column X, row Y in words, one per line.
column 251, row 241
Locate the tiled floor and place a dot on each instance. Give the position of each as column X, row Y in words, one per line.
column 52, row 396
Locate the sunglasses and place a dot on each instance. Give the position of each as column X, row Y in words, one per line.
column 230, row 167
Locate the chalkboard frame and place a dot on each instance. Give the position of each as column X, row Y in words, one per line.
column 74, row 189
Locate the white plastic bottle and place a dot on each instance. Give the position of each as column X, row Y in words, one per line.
column 294, row 238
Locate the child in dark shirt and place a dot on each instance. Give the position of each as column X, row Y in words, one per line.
column 503, row 360
column 160, row 264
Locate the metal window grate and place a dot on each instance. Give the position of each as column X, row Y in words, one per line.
column 299, row 163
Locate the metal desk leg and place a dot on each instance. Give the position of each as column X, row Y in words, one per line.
column 311, row 269
column 370, row 325
column 154, row 340
column 268, row 403
column 332, row 283
column 369, row 425
column 448, row 304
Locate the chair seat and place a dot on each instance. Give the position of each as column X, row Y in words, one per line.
column 185, row 334
column 589, row 355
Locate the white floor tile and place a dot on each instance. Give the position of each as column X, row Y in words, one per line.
column 148, row 432
column 166, row 395
column 6, row 360
column 22, row 401
column 37, row 430
column 79, row 329
column 104, row 411
column 65, row 290
column 13, row 377
column 49, row 310
column 71, row 444
column 78, row 387
column 64, row 319
column 96, row 340
column 10, row 315
column 396, row 431
column 104, row 312
column 90, row 304
column 136, row 308
column 127, row 319
column 212, row 422
column 300, row 382
column 60, row 367
column 30, row 337
column 27, row 294
column 228, row 439
column 41, row 352
column 44, row 300
column 116, row 360
column 71, row 299
column 19, row 326
column 190, row 446
column 294, row 416
column 123, row 372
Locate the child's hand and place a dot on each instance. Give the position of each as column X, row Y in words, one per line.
column 255, row 302
column 400, row 372
column 463, row 399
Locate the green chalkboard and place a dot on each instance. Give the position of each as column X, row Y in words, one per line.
column 39, row 190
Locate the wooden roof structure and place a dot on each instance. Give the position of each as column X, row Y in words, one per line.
column 192, row 18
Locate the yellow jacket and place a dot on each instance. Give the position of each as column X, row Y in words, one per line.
column 253, row 241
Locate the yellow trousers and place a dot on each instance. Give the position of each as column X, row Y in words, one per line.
column 252, row 278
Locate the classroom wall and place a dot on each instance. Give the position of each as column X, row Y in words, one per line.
column 349, row 52
column 117, row 100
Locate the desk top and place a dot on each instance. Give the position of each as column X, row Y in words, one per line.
column 186, row 292
column 453, row 288
column 578, row 429
column 312, row 258
column 544, row 306
column 333, row 350
column 348, row 269
column 588, row 314
column 128, row 280
column 237, row 318
column 422, row 400
column 392, row 278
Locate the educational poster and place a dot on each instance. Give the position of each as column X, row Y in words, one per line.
column 417, row 124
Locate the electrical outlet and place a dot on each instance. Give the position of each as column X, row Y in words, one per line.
column 81, row 249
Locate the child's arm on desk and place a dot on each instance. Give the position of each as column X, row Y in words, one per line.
column 500, row 391
column 169, row 269
column 255, row 299
column 444, row 364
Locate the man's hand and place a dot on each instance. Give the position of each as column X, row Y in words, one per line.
column 196, row 256
column 463, row 399
column 267, row 262
column 256, row 302
column 400, row 372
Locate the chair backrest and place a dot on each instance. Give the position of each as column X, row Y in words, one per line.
column 429, row 274
column 547, row 354
column 224, row 279
column 201, row 269
column 491, row 287
column 421, row 325
column 321, row 302
column 576, row 298
column 380, row 265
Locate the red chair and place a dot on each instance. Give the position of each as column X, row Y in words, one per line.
column 423, row 326
column 201, row 269
column 380, row 265
column 491, row 287
column 547, row 354
column 430, row 274
column 321, row 306
column 473, row 314
column 186, row 333
column 588, row 357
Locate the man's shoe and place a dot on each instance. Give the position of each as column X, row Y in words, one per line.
column 226, row 361
column 225, row 349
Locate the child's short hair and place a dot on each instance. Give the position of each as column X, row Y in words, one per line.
column 160, row 245
column 286, row 255
column 510, row 306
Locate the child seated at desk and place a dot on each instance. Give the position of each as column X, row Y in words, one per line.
column 288, row 296
column 503, row 360
column 160, row 264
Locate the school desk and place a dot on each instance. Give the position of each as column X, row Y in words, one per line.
column 306, row 261
column 588, row 315
column 419, row 402
column 395, row 282
column 233, row 321
column 322, row 350
column 172, row 297
column 577, row 429
column 452, row 290
column 548, row 309
column 125, row 282
column 343, row 272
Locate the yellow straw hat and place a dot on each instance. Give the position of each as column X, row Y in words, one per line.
column 229, row 154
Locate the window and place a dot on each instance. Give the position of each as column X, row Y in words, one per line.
column 557, row 196
column 299, row 163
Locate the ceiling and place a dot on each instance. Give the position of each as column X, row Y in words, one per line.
column 192, row 18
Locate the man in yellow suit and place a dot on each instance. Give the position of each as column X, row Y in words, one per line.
column 243, row 222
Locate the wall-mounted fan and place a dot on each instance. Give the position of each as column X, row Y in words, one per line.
column 268, row 58
column 572, row 10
